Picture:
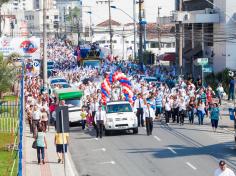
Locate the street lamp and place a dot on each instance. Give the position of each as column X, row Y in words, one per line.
column 134, row 19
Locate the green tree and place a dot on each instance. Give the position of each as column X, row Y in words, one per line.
column 8, row 74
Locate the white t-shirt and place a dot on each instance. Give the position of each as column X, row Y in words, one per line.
column 226, row 172
column 36, row 115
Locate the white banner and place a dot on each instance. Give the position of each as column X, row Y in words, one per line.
column 25, row 47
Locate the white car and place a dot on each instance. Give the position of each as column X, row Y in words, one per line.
column 58, row 81
column 120, row 116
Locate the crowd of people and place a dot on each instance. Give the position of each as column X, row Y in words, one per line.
column 170, row 98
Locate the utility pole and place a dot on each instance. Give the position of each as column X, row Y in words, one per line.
column 134, row 17
column 45, row 64
column 140, row 33
column 159, row 29
column 180, row 40
column 110, row 30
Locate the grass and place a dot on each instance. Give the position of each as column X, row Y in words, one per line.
column 6, row 157
column 9, row 98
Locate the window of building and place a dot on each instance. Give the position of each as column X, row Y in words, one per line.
column 47, row 26
column 168, row 45
column 47, row 17
column 55, row 17
column 26, row 17
column 127, row 42
column 114, row 41
column 154, row 45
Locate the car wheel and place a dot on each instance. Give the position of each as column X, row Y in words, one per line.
column 135, row 131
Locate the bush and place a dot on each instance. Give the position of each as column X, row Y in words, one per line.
column 222, row 77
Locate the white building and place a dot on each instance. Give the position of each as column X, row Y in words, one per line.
column 34, row 21
column 225, row 40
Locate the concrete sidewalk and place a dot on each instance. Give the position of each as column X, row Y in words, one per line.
column 225, row 121
column 51, row 167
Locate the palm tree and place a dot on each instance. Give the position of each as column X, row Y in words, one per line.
column 8, row 74
column 1, row 3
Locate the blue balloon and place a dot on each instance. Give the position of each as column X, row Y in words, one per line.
column 110, row 77
column 104, row 92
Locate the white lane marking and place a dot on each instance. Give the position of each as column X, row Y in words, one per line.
column 108, row 162
column 190, row 165
column 172, row 150
column 157, row 138
column 100, row 149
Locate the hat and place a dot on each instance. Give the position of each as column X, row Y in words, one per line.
column 222, row 163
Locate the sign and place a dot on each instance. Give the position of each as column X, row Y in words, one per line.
column 201, row 61
column 62, row 119
column 207, row 69
column 25, row 47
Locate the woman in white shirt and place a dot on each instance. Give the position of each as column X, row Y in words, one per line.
column 167, row 110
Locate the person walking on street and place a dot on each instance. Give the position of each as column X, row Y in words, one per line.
column 167, row 111
column 139, row 106
column 41, row 145
column 83, row 115
column 200, row 111
column 182, row 110
column 99, row 118
column 36, row 119
column 220, row 92
column 231, row 88
column 44, row 119
column 223, row 170
column 149, row 115
column 61, row 149
column 191, row 107
column 215, row 115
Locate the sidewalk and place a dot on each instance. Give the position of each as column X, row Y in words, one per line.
column 225, row 122
column 51, row 167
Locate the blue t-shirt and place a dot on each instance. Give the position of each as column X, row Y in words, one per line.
column 215, row 113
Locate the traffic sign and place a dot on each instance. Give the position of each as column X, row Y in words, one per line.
column 207, row 69
column 201, row 61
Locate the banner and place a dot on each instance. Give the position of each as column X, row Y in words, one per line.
column 25, row 47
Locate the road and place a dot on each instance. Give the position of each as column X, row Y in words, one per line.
column 171, row 150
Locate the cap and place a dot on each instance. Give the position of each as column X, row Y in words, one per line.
column 222, row 163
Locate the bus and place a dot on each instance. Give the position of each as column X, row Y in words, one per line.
column 90, row 58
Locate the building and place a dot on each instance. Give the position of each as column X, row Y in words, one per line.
column 123, row 38
column 70, row 15
column 207, row 33
column 224, row 51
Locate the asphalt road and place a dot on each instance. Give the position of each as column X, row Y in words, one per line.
column 171, row 151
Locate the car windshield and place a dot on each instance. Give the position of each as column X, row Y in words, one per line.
column 72, row 102
column 58, row 81
column 93, row 64
column 116, row 108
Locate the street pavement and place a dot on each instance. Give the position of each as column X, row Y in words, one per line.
column 171, row 150
column 51, row 167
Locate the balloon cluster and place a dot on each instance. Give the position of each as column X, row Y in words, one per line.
column 124, row 82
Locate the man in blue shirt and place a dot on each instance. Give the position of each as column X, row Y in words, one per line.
column 231, row 89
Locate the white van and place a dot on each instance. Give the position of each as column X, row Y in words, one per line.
column 120, row 116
